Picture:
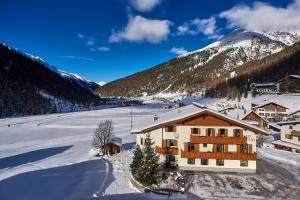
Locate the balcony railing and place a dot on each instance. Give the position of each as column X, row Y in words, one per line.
column 218, row 140
column 215, row 155
column 171, row 151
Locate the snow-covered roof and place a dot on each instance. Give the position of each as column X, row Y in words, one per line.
column 287, row 144
column 295, row 112
column 267, row 103
column 288, row 122
column 295, row 76
column 117, row 141
column 186, row 112
column 263, row 84
column 236, row 113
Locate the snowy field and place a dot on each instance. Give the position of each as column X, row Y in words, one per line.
column 47, row 157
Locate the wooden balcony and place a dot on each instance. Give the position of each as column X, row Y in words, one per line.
column 218, row 140
column 215, row 155
column 171, row 151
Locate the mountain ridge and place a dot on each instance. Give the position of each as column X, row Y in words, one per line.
column 200, row 69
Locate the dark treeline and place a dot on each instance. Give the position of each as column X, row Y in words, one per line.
column 270, row 69
column 21, row 79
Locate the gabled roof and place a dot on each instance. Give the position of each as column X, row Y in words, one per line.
column 264, row 104
column 292, row 113
column 189, row 112
column 252, row 111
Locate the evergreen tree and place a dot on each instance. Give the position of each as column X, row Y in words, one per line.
column 150, row 169
column 137, row 163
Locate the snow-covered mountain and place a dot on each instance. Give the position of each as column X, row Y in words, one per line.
column 28, row 85
column 75, row 78
column 194, row 71
column 101, row 83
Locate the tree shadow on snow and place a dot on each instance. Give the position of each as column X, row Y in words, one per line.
column 85, row 180
column 31, row 156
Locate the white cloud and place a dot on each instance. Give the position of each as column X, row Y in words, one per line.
column 80, row 36
column 144, row 5
column 90, row 41
column 205, row 26
column 178, row 51
column 103, row 49
column 141, row 29
column 264, row 17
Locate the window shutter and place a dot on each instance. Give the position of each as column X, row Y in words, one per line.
column 166, row 129
column 164, row 144
column 176, row 143
column 214, row 147
column 185, row 146
column 213, row 132
column 242, row 131
column 225, row 148
column 238, row 148
column 174, row 128
column 197, row 147
column 226, row 132
column 206, row 131
column 249, row 148
column 199, row 130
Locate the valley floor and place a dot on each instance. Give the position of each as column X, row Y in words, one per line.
column 48, row 157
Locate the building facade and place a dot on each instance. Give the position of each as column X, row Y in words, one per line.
column 272, row 111
column 203, row 140
column 290, row 136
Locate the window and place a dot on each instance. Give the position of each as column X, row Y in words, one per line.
column 170, row 129
column 142, row 141
column 237, row 132
column 171, row 143
column 195, row 131
column 204, row 161
column 288, row 136
column 222, row 132
column 220, row 148
column 205, row 145
column 244, row 148
column 299, row 138
column 244, row 163
column 291, row 127
column 191, row 161
column 209, row 132
column 220, row 162
column 191, row 147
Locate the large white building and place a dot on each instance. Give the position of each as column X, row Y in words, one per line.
column 290, row 136
column 271, row 111
column 196, row 138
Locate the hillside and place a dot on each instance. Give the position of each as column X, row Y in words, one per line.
column 28, row 85
column 203, row 68
column 269, row 69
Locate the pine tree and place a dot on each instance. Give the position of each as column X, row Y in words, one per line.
column 150, row 169
column 137, row 163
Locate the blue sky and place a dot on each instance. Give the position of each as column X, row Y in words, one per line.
column 104, row 40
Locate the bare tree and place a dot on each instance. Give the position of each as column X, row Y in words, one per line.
column 103, row 135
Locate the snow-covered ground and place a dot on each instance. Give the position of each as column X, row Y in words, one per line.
column 47, row 157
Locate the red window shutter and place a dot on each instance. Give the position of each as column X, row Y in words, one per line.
column 249, row 148
column 213, row 132
column 206, row 132
column 226, row 132
column 238, row 148
column 164, row 144
column 185, row 146
column 197, row 147
column 225, row 148
column 176, row 143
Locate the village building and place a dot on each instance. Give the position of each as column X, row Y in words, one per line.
column 290, row 136
column 294, row 116
column 271, row 111
column 115, row 146
column 197, row 138
column 266, row 88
